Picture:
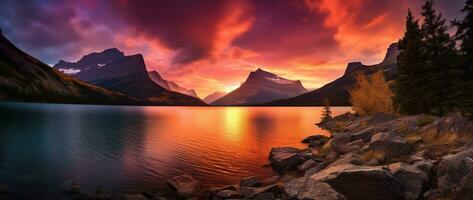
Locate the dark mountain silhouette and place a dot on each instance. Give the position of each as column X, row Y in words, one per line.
column 24, row 78
column 337, row 91
column 169, row 85
column 113, row 70
column 260, row 87
column 126, row 74
column 213, row 97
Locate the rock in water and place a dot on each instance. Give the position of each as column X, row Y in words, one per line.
column 310, row 189
column 185, row 185
column 285, row 158
column 361, row 182
column 320, row 138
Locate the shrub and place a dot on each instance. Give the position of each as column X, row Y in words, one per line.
column 372, row 95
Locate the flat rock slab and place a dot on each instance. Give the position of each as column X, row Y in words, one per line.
column 310, row 189
column 361, row 182
column 185, row 185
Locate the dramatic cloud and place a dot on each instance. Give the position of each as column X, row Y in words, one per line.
column 195, row 29
column 212, row 45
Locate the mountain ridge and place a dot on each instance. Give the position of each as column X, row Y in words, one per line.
column 260, row 87
column 170, row 85
column 213, row 97
column 125, row 74
column 25, row 78
column 337, row 90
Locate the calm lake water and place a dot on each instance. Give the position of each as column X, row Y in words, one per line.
column 129, row 148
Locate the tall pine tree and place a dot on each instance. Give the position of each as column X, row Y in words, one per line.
column 440, row 56
column 409, row 97
column 465, row 37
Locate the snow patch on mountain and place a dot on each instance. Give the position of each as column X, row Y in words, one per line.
column 70, row 71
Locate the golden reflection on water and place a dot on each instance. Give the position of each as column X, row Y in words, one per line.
column 220, row 145
column 234, row 119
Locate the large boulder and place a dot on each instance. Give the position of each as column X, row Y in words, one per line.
column 361, row 182
column 455, row 175
column 308, row 188
column 285, row 158
column 411, row 178
column 185, row 185
column 389, row 143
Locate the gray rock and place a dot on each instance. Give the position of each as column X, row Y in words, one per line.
column 349, row 158
column 213, row 190
column 364, row 134
column 228, row 194
column 251, row 192
column 265, row 196
column 424, row 165
column 314, row 138
column 316, row 168
column 455, row 175
column 391, row 144
column 411, row 178
column 185, row 185
column 360, row 182
column 310, row 189
column 306, row 165
column 251, row 181
column 339, row 142
column 285, row 158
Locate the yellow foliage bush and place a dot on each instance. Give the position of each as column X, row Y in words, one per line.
column 372, row 95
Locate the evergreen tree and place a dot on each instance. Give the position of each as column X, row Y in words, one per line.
column 440, row 55
column 409, row 96
column 326, row 112
column 465, row 37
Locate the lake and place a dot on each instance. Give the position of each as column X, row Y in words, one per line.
column 129, row 148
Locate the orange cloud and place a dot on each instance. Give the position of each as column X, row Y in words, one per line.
column 364, row 27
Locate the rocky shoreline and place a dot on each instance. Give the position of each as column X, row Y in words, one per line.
column 375, row 157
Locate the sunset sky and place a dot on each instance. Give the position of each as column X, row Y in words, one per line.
column 212, row 45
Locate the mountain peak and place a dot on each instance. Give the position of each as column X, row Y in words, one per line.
column 353, row 66
column 262, row 86
column 391, row 54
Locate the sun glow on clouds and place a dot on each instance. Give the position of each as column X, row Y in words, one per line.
column 210, row 45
